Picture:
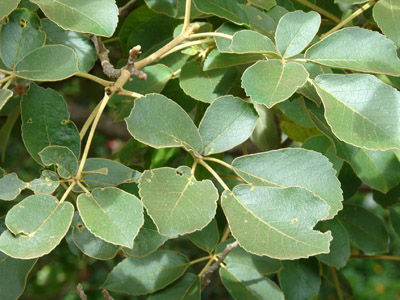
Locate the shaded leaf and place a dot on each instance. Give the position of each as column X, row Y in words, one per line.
column 394, row 214
column 207, row 238
column 265, row 135
column 217, row 60
column 252, row 218
column 138, row 276
column 112, row 215
column 271, row 82
column 225, row 9
column 227, row 122
column 11, row 186
column 62, row 157
column 186, row 288
column 161, row 123
column 4, row 96
column 248, row 41
column 264, row 4
column 177, row 203
column 387, row 16
column 172, row 8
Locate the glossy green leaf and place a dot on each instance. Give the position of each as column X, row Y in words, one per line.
column 7, row 6
column 100, row 17
column 112, row 215
column 177, row 203
column 45, row 122
column 161, row 123
column 81, row 45
column 147, row 241
column 62, row 157
column 340, row 246
column 4, row 96
column 365, row 51
column 245, row 283
column 36, row 225
column 19, row 36
column 138, row 276
column 207, row 238
column 262, row 264
column 368, row 118
column 299, row 279
column 11, row 186
column 13, row 275
column 308, row 169
column 89, row 244
column 248, row 41
column 172, row 8
column 102, row 172
column 48, row 63
column 295, row 31
column 271, row 82
column 365, row 229
column 46, row 184
column 225, row 9
column 265, row 135
column 217, row 60
column 251, row 213
column 264, row 4
column 186, row 288
column 387, row 16
column 227, row 122
column 206, row 86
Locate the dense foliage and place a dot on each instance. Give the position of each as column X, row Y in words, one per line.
column 254, row 152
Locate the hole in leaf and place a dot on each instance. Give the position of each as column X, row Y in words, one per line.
column 30, row 121
column 64, row 122
column 23, row 23
column 80, row 226
column 179, row 173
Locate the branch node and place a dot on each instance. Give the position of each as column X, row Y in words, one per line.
column 81, row 292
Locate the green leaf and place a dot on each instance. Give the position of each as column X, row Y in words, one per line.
column 81, row 45
column 388, row 200
column 20, row 36
column 223, row 44
column 4, row 96
column 172, row 8
column 271, row 82
column 394, row 214
column 368, row 118
column 297, row 132
column 207, row 238
column 206, row 86
column 248, row 41
column 6, row 129
column 226, row 9
column 177, row 203
column 161, row 123
column 138, row 276
column 7, row 6
column 62, row 157
column 251, row 213
column 36, row 225
column 351, row 1
column 227, row 122
column 377, row 54
column 100, row 17
column 11, row 186
column 299, row 279
column 295, row 31
column 387, row 16
column 308, row 169
column 186, row 288
column 245, row 283
column 49, row 63
column 112, row 215
column 217, row 60
column 147, row 241
column 13, row 275
column 340, row 245
column 46, row 184
column 264, row 4
column 265, row 135
column 262, row 264
column 45, row 122
column 295, row 111
column 89, row 244
column 365, row 229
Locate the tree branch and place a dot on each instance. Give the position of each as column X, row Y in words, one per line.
column 123, row 11
column 205, row 278
column 81, row 292
column 106, row 295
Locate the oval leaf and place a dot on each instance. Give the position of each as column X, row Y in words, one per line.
column 36, row 226
column 368, row 118
column 138, row 276
column 161, row 123
column 248, row 41
column 259, row 229
column 271, row 82
column 387, row 16
column 227, row 122
column 62, row 157
column 11, row 186
column 112, row 215
column 365, row 51
column 307, row 169
column 176, row 201
column 99, row 17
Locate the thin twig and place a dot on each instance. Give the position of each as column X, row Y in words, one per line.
column 186, row 45
column 385, row 257
column 122, row 11
column 89, row 121
column 213, row 173
column 320, row 10
column 349, row 18
column 219, row 161
column 124, row 92
column 210, row 34
column 186, row 21
column 106, row 295
column 81, row 292
column 99, row 80
column 205, row 278
column 336, row 283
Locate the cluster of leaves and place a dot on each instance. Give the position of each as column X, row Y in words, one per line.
column 320, row 103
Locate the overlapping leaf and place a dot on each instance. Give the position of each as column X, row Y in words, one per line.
column 217, row 60
column 62, row 157
column 10, row 187
column 46, row 184
column 185, row 288
column 226, row 9
column 4, row 96
column 248, row 41
column 7, row 7
column 207, row 238
column 387, row 16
